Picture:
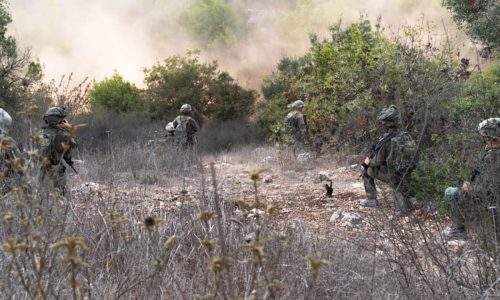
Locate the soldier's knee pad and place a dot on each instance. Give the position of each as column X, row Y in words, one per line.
column 451, row 194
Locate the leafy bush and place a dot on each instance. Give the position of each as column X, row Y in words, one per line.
column 213, row 94
column 481, row 19
column 347, row 79
column 116, row 94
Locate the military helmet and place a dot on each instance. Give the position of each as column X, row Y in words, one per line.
column 5, row 120
column 490, row 127
column 186, row 108
column 170, row 127
column 296, row 104
column 56, row 111
column 390, row 116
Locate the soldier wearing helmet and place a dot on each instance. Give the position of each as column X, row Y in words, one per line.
column 55, row 147
column 296, row 123
column 478, row 198
column 185, row 128
column 388, row 163
column 10, row 167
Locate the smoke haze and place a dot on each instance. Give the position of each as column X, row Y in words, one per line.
column 95, row 37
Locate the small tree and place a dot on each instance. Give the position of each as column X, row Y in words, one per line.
column 116, row 94
column 183, row 79
column 480, row 18
column 17, row 71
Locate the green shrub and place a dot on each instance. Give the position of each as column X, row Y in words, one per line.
column 115, row 94
column 431, row 178
column 214, row 94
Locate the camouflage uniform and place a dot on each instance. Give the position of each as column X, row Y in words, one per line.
column 185, row 128
column 379, row 169
column 9, row 153
column 56, row 146
column 296, row 123
column 480, row 203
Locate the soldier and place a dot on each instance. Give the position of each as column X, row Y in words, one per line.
column 391, row 160
column 479, row 196
column 185, row 128
column 296, row 123
column 9, row 153
column 56, row 146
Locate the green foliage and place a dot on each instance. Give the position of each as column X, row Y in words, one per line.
column 431, row 178
column 480, row 97
column 214, row 22
column 184, row 79
column 116, row 94
column 346, row 80
column 481, row 19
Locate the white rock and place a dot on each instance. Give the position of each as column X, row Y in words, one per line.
column 268, row 159
column 324, row 176
column 347, row 217
column 87, row 188
column 255, row 212
column 304, row 157
column 357, row 185
column 267, row 179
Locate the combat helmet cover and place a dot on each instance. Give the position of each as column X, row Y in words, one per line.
column 186, row 108
column 5, row 120
column 296, row 104
column 390, row 116
column 56, row 111
column 490, row 127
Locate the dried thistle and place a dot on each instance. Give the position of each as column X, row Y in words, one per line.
column 255, row 175
column 170, row 242
column 210, row 245
column 11, row 245
column 205, row 216
column 241, row 204
column 71, row 129
column 71, row 244
column 6, row 144
column 218, row 264
column 316, row 263
column 270, row 209
column 257, row 249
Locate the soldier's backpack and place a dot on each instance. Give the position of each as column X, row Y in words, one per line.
column 403, row 156
column 291, row 122
column 181, row 128
column 51, row 145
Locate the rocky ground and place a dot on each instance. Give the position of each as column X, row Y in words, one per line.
column 294, row 185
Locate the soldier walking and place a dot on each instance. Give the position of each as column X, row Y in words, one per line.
column 185, row 128
column 56, row 146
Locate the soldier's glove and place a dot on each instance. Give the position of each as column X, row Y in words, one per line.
column 364, row 170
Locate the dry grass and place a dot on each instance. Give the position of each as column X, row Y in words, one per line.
column 119, row 241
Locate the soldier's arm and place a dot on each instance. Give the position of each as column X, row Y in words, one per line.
column 380, row 157
column 194, row 125
column 302, row 124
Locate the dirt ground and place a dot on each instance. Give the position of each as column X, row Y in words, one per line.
column 295, row 186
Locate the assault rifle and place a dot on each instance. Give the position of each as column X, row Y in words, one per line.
column 374, row 150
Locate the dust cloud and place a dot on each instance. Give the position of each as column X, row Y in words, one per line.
column 96, row 37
